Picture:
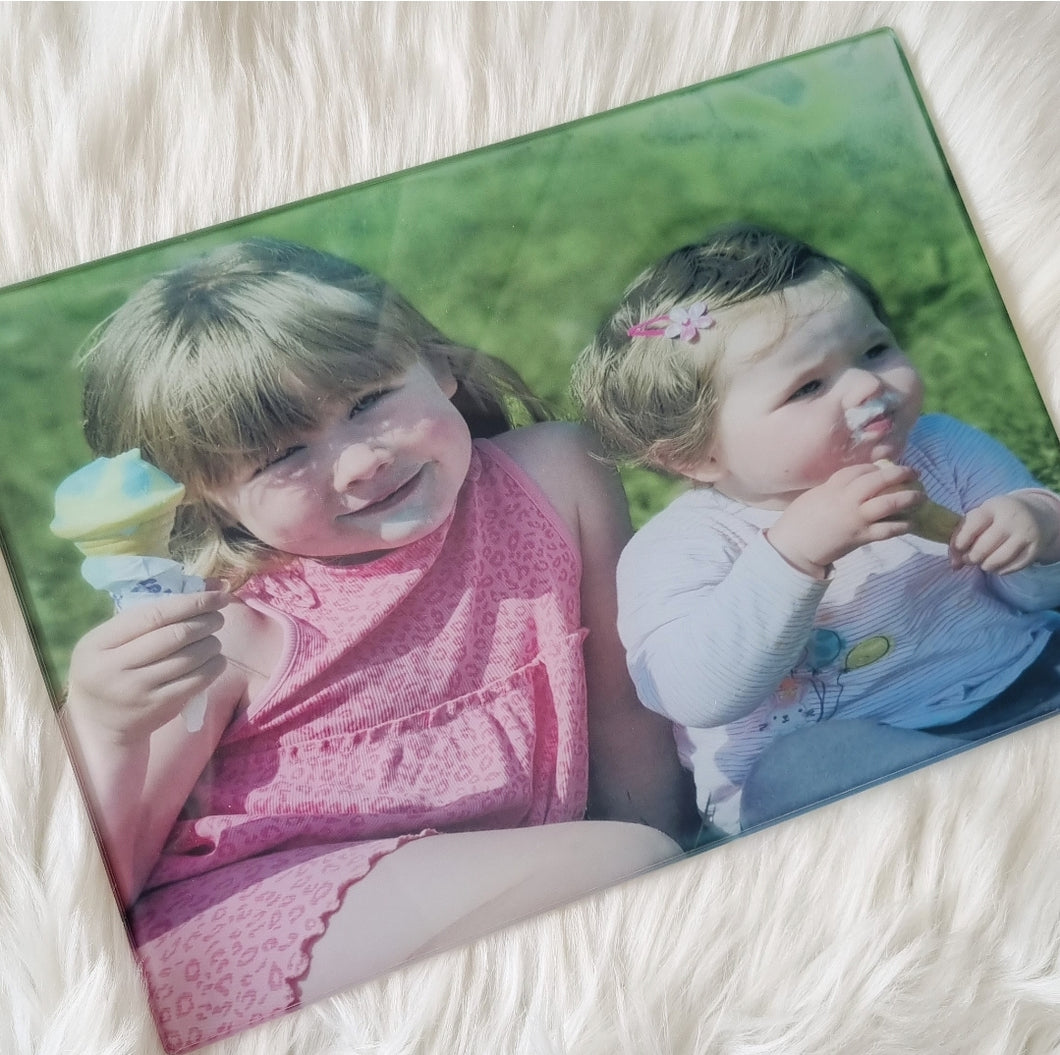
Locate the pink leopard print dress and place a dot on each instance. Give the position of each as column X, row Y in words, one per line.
column 439, row 688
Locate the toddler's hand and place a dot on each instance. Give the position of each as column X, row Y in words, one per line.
column 856, row 505
column 1008, row 533
column 135, row 672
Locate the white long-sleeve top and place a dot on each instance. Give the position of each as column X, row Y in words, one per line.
column 735, row 645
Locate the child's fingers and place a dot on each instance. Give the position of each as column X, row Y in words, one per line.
column 133, row 688
column 978, row 549
column 171, row 640
column 1013, row 556
column 969, row 532
column 892, row 505
column 989, row 541
column 870, row 478
column 892, row 488
column 881, row 530
column 891, row 473
column 999, row 553
column 158, row 616
column 179, row 692
column 180, row 676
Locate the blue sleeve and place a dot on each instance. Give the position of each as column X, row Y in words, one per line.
column 961, row 467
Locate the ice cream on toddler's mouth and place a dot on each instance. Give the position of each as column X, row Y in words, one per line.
column 860, row 417
column 119, row 512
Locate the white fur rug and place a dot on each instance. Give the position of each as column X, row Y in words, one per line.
column 923, row 916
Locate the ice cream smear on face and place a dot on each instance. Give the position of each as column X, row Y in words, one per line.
column 860, row 417
column 119, row 512
column 402, row 521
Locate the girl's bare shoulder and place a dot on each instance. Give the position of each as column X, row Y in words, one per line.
column 251, row 641
column 564, row 459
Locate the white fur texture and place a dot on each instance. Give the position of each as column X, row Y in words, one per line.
column 923, row 916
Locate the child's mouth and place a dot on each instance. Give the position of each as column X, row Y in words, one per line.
column 876, row 427
column 389, row 499
column 872, row 420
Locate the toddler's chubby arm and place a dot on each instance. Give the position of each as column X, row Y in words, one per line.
column 634, row 771
column 130, row 678
column 716, row 615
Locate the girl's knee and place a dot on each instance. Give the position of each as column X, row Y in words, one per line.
column 592, row 854
column 638, row 845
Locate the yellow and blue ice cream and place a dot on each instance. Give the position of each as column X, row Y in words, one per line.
column 116, row 506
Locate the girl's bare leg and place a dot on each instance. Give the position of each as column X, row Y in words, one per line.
column 446, row 890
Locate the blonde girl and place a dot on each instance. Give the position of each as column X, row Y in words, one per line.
column 415, row 687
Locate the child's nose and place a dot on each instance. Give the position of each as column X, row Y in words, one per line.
column 863, row 385
column 357, row 462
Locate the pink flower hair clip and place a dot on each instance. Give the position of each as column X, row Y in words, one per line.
column 684, row 324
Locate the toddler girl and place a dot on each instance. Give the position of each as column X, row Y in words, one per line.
column 785, row 588
column 416, row 682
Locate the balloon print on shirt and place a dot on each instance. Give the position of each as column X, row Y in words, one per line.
column 812, row 691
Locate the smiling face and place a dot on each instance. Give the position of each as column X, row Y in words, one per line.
column 374, row 474
column 811, row 381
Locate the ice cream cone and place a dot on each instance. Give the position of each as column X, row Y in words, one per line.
column 119, row 512
column 934, row 522
column 929, row 520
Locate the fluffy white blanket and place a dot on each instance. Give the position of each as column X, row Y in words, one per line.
column 921, row 916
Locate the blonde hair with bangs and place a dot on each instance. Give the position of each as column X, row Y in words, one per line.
column 209, row 367
column 654, row 399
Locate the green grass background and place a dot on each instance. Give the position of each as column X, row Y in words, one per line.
column 521, row 249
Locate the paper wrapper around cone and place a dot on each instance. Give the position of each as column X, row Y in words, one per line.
column 132, row 580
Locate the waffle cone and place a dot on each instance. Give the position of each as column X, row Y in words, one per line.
column 933, row 522
column 929, row 520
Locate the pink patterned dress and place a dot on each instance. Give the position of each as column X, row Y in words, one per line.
column 439, row 688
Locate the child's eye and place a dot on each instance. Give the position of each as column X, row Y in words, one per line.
column 367, row 401
column 276, row 458
column 808, row 389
